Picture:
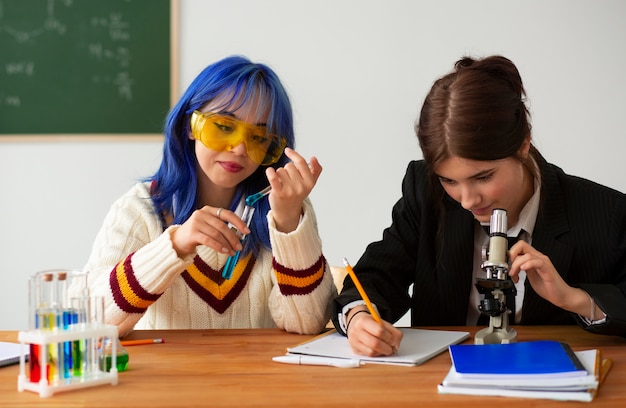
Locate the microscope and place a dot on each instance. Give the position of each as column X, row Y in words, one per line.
column 496, row 285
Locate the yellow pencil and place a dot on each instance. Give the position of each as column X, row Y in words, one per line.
column 140, row 342
column 366, row 299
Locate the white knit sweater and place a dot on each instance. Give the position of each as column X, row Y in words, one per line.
column 145, row 285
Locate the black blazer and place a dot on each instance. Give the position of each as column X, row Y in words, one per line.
column 581, row 227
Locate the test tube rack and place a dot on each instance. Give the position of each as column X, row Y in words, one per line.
column 92, row 375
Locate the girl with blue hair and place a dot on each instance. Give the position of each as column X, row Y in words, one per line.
column 159, row 258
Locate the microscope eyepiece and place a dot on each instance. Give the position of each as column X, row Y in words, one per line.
column 499, row 223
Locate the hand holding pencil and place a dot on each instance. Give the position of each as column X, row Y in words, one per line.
column 369, row 334
column 364, row 296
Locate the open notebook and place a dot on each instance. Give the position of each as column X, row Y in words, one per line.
column 418, row 346
column 10, row 353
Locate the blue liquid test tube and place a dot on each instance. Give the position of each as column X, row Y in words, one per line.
column 65, row 320
column 232, row 260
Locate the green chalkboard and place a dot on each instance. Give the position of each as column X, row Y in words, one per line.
column 84, row 66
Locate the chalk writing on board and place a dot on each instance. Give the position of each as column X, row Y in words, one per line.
column 113, row 25
column 24, row 36
column 84, row 66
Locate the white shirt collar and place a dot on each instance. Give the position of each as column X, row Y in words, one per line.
column 528, row 215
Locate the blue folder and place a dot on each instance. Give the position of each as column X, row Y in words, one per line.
column 524, row 358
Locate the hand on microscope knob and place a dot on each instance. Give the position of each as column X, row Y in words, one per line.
column 540, row 272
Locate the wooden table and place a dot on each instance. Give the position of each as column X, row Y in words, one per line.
column 234, row 368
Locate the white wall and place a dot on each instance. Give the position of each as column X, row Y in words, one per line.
column 357, row 71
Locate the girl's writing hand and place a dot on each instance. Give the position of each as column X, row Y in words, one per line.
column 369, row 338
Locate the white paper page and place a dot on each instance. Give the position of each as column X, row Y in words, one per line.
column 418, row 346
column 9, row 353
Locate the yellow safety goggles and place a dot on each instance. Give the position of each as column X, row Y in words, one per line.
column 222, row 132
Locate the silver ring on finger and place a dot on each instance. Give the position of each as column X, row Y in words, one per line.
column 219, row 213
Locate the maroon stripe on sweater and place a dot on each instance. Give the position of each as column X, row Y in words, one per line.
column 289, row 290
column 136, row 288
column 303, row 273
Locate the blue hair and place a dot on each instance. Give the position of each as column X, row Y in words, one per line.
column 237, row 81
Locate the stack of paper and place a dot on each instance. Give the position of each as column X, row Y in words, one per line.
column 536, row 369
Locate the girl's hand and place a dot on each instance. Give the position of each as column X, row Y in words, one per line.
column 209, row 226
column 539, row 271
column 291, row 185
column 546, row 280
column 367, row 337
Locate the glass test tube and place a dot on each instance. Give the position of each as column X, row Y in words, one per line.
column 232, row 260
column 48, row 320
column 34, row 294
column 65, row 315
column 95, row 311
column 73, row 316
